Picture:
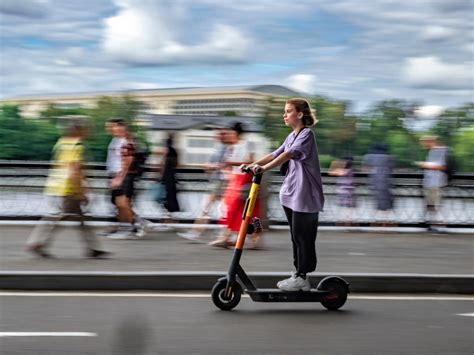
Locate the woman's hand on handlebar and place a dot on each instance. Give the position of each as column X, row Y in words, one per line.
column 251, row 168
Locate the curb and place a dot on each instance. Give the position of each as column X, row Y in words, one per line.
column 464, row 229
column 168, row 281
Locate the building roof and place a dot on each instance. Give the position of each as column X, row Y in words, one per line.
column 276, row 90
column 183, row 122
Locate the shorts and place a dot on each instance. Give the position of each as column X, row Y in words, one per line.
column 219, row 187
column 127, row 189
column 432, row 197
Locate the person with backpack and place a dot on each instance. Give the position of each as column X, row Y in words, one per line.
column 435, row 178
column 123, row 168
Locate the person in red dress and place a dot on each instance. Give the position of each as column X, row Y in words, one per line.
column 240, row 152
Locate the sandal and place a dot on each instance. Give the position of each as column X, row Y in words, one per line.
column 219, row 243
column 255, row 243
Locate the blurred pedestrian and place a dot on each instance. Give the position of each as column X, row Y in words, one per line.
column 122, row 166
column 344, row 170
column 381, row 165
column 301, row 194
column 168, row 166
column 218, row 178
column 66, row 184
column 434, row 179
column 241, row 152
column 113, row 166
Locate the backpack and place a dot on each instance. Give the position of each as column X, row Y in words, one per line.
column 139, row 159
column 451, row 165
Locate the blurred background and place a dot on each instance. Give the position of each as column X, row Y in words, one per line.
column 376, row 73
column 388, row 71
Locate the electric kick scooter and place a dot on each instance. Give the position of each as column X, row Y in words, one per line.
column 331, row 291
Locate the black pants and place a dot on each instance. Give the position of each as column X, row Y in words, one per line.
column 303, row 229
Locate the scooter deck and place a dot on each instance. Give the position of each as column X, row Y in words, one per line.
column 276, row 295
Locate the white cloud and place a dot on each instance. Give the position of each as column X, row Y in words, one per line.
column 306, row 83
column 429, row 111
column 431, row 72
column 138, row 85
column 436, row 33
column 148, row 33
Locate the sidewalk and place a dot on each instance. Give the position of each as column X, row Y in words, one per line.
column 164, row 252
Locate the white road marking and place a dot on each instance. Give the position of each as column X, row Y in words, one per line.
column 358, row 254
column 47, row 334
column 390, row 297
column 412, row 298
column 465, row 314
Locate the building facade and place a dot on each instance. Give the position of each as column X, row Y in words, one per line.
column 194, row 135
column 245, row 101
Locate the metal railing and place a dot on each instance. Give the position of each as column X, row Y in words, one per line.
column 21, row 197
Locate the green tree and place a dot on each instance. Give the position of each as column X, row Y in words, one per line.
column 464, row 149
column 452, row 121
column 25, row 139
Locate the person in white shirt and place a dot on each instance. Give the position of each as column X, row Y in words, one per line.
column 240, row 152
column 434, row 179
column 120, row 163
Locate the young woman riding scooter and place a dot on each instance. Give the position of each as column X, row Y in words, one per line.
column 301, row 194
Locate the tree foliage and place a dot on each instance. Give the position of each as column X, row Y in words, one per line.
column 33, row 139
column 339, row 134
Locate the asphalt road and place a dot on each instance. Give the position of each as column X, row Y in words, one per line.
column 189, row 323
column 338, row 252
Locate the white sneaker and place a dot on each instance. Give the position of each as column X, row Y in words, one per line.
column 295, row 284
column 190, row 235
column 142, row 228
column 123, row 234
column 293, row 275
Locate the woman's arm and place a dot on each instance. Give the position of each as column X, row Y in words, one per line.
column 265, row 160
column 269, row 162
column 282, row 158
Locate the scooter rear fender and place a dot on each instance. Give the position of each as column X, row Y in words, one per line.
column 336, row 279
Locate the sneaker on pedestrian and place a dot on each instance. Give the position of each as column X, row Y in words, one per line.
column 38, row 250
column 123, row 234
column 190, row 235
column 295, row 284
column 141, row 228
column 98, row 254
column 108, row 231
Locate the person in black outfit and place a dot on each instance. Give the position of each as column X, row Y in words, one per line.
column 168, row 178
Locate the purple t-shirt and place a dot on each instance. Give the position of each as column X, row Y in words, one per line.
column 302, row 189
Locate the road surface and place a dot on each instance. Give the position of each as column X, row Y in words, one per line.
column 188, row 323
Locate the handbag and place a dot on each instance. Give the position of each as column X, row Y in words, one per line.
column 284, row 167
column 158, row 192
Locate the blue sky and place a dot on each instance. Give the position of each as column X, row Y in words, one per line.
column 361, row 51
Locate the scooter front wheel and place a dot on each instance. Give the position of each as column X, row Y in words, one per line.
column 219, row 297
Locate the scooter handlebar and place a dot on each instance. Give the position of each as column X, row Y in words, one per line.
column 256, row 171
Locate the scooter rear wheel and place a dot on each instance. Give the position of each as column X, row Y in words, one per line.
column 219, row 298
column 337, row 295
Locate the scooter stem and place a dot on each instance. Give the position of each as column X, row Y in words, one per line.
column 248, row 211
